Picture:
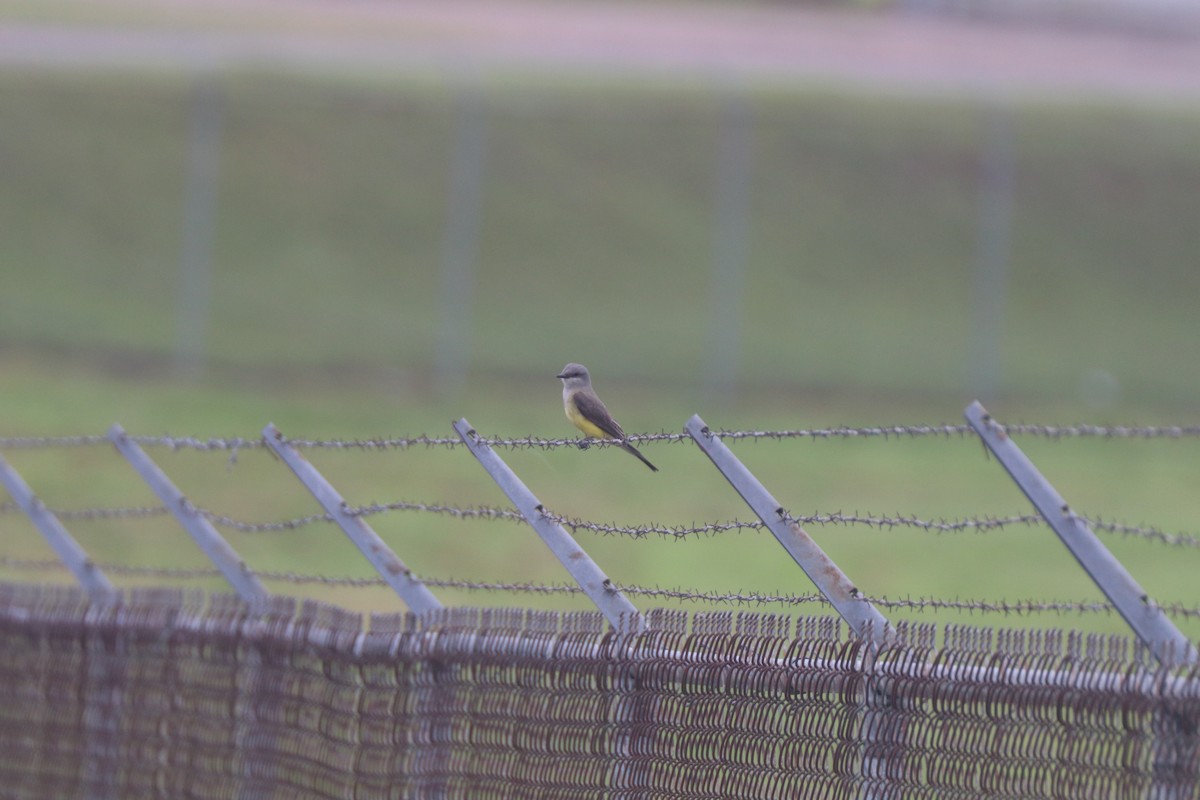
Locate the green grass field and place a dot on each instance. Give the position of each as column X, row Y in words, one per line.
column 596, row 247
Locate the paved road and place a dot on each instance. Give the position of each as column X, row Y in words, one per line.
column 894, row 52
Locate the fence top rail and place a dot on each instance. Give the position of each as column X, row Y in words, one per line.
column 1046, row 659
column 234, row 444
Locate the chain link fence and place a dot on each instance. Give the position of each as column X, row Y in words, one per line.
column 164, row 693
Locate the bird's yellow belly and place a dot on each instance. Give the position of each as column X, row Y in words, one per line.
column 582, row 422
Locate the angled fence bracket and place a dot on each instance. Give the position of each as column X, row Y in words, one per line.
column 864, row 619
column 90, row 577
column 620, row 613
column 412, row 591
column 1147, row 620
column 219, row 552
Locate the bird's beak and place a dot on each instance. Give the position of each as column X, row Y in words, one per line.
column 560, row 375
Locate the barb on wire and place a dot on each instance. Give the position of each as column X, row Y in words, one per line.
column 921, row 604
column 53, row 565
column 142, row 512
column 459, row 512
column 380, row 443
column 886, row 432
column 47, row 442
column 230, row 523
column 1083, row 431
column 1149, row 533
column 545, row 443
column 834, row 518
column 575, row 524
column 377, row 443
column 9, row 507
column 679, row 532
column 1016, row 608
column 278, row 526
column 942, row 525
column 847, row 432
column 233, row 443
column 977, row 524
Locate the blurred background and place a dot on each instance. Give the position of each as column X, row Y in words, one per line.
column 362, row 218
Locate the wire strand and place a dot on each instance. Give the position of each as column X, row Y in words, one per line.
column 920, row 604
column 404, row 442
column 679, row 532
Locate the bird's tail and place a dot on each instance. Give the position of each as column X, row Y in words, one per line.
column 626, row 446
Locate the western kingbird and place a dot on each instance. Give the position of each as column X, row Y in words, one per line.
column 585, row 410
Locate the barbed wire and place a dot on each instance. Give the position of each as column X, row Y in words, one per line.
column 1149, row 532
column 887, row 432
column 132, row 512
column 678, row 532
column 170, row 442
column 230, row 523
column 404, row 442
column 921, row 604
column 833, row 518
column 978, row 524
column 459, row 512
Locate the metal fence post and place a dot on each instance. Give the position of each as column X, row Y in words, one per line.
column 199, row 222
column 881, row 745
column 992, row 246
column 460, row 247
column 412, row 591
column 864, row 619
column 93, row 581
column 620, row 613
column 1146, row 619
column 731, row 236
column 244, row 582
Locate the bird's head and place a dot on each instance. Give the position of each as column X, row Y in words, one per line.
column 575, row 376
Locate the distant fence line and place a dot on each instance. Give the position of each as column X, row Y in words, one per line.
column 733, row 193
column 469, row 178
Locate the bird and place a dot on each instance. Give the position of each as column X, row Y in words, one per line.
column 588, row 413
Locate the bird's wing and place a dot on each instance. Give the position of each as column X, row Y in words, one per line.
column 590, row 406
